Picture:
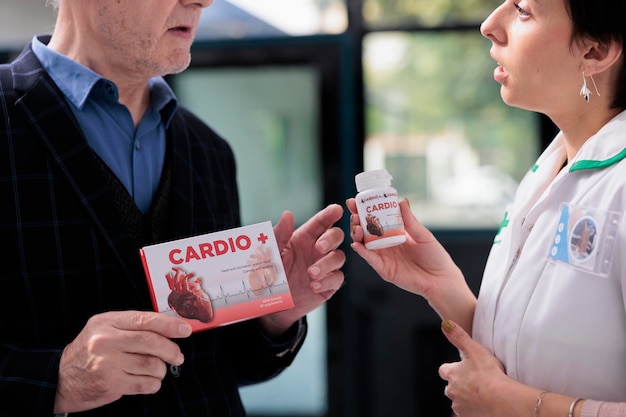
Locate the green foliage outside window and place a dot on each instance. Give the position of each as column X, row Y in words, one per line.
column 426, row 12
column 432, row 82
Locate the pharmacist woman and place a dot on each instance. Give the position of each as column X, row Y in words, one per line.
column 546, row 336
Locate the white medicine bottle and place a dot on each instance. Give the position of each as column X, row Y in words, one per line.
column 378, row 209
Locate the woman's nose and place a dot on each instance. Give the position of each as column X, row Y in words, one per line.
column 491, row 28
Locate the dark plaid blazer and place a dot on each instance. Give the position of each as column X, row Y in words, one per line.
column 67, row 255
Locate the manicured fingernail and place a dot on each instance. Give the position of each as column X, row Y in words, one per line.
column 447, row 326
column 316, row 285
column 323, row 245
column 315, row 271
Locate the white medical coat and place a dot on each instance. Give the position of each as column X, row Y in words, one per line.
column 558, row 325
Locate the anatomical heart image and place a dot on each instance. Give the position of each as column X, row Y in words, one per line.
column 373, row 225
column 187, row 298
column 263, row 271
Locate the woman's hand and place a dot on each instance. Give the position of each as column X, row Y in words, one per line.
column 421, row 265
column 478, row 385
column 475, row 382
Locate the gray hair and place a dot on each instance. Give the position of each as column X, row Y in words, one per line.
column 53, row 3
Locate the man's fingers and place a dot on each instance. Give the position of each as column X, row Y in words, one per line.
column 331, row 262
column 145, row 333
column 331, row 283
column 146, row 365
column 322, row 220
column 150, row 344
column 149, row 321
column 141, row 385
column 330, row 240
column 118, row 353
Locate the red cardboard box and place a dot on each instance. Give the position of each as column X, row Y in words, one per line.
column 218, row 278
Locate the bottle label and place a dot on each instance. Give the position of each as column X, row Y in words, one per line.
column 380, row 216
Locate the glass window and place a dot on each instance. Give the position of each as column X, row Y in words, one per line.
column 301, row 390
column 436, row 122
column 233, row 19
column 270, row 115
column 428, row 13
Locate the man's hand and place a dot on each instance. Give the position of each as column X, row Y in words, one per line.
column 117, row 354
column 312, row 263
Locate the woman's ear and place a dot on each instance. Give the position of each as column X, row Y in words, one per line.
column 600, row 56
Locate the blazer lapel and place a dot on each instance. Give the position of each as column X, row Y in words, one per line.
column 182, row 178
column 47, row 111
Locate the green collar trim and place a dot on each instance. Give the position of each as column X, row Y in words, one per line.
column 590, row 164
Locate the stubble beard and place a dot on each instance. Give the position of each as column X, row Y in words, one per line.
column 145, row 57
column 178, row 63
column 140, row 53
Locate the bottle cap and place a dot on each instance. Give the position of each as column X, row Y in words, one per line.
column 372, row 179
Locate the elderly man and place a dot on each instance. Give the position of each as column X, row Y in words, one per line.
column 99, row 160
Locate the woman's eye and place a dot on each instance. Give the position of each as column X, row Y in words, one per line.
column 521, row 11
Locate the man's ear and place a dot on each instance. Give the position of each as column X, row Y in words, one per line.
column 600, row 56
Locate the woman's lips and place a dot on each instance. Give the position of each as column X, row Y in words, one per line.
column 499, row 74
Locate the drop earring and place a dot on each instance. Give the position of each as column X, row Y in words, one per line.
column 584, row 91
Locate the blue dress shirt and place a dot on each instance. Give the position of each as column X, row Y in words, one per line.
column 134, row 154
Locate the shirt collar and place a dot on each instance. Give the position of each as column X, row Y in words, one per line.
column 78, row 82
column 607, row 147
column 75, row 81
column 163, row 99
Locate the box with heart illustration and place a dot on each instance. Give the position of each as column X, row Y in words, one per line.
column 218, row 278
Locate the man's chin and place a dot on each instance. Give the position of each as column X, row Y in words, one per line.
column 177, row 65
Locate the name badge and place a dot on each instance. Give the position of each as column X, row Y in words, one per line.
column 584, row 238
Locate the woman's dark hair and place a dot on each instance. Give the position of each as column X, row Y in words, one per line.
column 605, row 22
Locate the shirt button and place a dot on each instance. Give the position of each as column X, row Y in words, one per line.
column 175, row 371
column 110, row 89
